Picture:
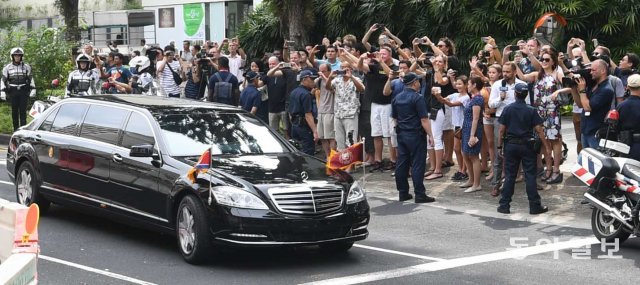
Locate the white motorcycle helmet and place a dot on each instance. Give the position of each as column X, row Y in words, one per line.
column 16, row 50
column 139, row 63
column 83, row 58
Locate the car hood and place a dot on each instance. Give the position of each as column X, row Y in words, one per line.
column 280, row 168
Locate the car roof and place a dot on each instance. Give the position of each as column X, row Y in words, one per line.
column 157, row 103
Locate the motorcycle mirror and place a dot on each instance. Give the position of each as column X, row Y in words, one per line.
column 55, row 83
column 613, row 115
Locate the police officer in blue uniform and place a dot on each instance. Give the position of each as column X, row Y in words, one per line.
column 409, row 112
column 517, row 124
column 628, row 127
column 303, row 126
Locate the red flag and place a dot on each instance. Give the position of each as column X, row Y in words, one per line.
column 202, row 165
column 345, row 158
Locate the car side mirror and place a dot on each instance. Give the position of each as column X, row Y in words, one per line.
column 145, row 150
column 295, row 144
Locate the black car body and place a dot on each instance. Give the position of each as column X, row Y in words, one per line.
column 127, row 157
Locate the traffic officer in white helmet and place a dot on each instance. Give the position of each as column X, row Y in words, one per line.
column 17, row 86
column 83, row 80
column 142, row 81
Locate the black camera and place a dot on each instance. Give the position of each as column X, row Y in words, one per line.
column 379, row 26
column 340, row 72
column 486, row 53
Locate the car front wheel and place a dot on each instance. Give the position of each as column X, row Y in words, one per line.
column 192, row 229
column 28, row 187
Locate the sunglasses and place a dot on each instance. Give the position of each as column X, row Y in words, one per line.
column 546, row 59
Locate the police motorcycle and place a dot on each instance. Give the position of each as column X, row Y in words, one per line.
column 39, row 106
column 614, row 185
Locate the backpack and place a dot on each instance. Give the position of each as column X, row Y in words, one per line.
column 223, row 90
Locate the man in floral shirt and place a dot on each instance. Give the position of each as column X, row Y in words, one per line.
column 347, row 103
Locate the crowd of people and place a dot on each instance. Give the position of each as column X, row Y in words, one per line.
column 341, row 92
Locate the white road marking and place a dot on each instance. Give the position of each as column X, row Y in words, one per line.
column 94, row 270
column 398, row 252
column 3, row 162
column 6, row 182
column 457, row 262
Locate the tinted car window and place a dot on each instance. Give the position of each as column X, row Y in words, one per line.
column 68, row 118
column 46, row 125
column 190, row 133
column 137, row 132
column 103, row 123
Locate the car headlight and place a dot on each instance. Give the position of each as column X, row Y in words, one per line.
column 356, row 193
column 235, row 197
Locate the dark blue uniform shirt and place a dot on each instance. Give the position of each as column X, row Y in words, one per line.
column 600, row 101
column 629, row 114
column 520, row 120
column 300, row 101
column 630, row 121
column 250, row 97
column 408, row 108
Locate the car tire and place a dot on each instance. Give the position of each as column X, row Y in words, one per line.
column 28, row 187
column 192, row 229
column 337, row 246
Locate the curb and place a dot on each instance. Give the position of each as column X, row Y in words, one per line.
column 4, row 140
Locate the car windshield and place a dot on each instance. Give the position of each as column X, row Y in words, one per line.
column 191, row 133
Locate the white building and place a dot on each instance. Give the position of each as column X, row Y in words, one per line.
column 214, row 20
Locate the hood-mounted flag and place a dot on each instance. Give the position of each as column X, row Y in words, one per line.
column 203, row 164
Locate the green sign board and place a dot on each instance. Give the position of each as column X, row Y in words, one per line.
column 193, row 20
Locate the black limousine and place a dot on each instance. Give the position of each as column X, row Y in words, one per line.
column 127, row 158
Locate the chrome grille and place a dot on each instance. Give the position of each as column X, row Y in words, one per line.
column 307, row 200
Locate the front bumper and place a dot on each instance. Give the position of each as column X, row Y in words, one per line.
column 255, row 228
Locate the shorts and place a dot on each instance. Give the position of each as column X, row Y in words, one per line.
column 436, row 130
column 394, row 138
column 326, row 129
column 448, row 122
column 488, row 121
column 380, row 120
column 276, row 118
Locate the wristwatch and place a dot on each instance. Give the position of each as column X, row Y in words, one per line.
column 583, row 91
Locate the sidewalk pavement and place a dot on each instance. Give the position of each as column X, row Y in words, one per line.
column 562, row 199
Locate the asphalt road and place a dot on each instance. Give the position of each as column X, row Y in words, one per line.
column 460, row 239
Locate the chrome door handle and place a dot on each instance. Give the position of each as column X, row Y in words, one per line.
column 117, row 157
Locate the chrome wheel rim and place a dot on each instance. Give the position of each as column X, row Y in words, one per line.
column 186, row 233
column 606, row 224
column 24, row 187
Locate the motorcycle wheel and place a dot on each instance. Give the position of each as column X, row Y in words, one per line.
column 607, row 228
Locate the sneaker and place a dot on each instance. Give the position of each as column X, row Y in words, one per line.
column 389, row 166
column 376, row 166
column 458, row 176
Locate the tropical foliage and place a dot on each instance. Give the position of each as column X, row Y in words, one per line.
column 615, row 23
column 49, row 55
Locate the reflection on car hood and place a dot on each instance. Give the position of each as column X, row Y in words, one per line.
column 273, row 168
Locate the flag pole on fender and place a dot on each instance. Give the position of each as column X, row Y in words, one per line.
column 210, row 200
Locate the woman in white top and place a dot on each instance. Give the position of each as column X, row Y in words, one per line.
column 456, row 102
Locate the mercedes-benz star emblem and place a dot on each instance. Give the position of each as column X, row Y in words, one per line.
column 304, row 175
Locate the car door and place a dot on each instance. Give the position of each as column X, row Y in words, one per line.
column 90, row 153
column 134, row 180
column 51, row 142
